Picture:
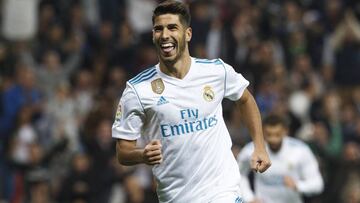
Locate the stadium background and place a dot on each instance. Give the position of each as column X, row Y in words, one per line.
column 64, row 64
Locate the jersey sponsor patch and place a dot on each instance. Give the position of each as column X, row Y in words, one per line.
column 190, row 123
column 208, row 94
column 118, row 113
column 157, row 86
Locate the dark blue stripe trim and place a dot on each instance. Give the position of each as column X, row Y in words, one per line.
column 143, row 73
column 217, row 61
column 200, row 59
column 145, row 78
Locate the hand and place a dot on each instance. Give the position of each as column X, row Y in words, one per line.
column 289, row 182
column 260, row 161
column 152, row 153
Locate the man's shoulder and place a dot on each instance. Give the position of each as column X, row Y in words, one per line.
column 206, row 67
column 216, row 61
column 144, row 75
column 296, row 143
column 204, row 61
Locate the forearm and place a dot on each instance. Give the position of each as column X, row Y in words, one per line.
column 128, row 155
column 312, row 186
column 312, row 181
column 252, row 119
column 130, row 158
column 70, row 65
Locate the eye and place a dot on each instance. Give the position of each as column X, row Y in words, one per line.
column 157, row 29
column 172, row 27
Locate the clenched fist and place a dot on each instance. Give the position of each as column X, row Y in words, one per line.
column 260, row 161
column 152, row 153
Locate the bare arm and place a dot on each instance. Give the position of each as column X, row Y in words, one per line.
column 251, row 116
column 128, row 154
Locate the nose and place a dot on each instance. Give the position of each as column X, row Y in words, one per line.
column 165, row 34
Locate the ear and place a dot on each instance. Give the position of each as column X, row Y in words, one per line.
column 188, row 34
column 153, row 36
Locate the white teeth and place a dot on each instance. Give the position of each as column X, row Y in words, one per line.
column 167, row 45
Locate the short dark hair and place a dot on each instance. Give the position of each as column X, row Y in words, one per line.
column 173, row 7
column 273, row 119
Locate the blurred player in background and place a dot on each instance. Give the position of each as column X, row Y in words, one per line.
column 176, row 107
column 294, row 171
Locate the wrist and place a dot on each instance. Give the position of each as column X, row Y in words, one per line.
column 259, row 145
column 142, row 156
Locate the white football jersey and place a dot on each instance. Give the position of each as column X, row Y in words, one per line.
column 186, row 116
column 294, row 159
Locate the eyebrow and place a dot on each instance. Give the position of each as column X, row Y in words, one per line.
column 173, row 25
column 168, row 25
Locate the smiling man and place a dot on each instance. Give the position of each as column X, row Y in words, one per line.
column 175, row 106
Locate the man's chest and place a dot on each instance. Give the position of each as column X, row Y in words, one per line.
column 285, row 164
column 190, row 101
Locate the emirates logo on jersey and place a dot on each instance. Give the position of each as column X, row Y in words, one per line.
column 157, row 86
column 208, row 94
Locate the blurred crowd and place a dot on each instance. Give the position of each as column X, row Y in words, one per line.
column 64, row 64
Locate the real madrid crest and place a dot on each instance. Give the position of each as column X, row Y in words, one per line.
column 157, row 86
column 208, row 93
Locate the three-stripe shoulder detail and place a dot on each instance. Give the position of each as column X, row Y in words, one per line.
column 208, row 61
column 144, row 75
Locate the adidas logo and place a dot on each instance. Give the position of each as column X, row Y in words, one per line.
column 162, row 101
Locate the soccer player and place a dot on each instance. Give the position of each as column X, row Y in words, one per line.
column 294, row 171
column 175, row 106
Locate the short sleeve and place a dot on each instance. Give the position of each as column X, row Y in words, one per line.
column 235, row 83
column 129, row 116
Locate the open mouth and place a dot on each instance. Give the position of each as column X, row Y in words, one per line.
column 167, row 47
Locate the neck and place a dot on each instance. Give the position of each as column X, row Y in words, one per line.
column 275, row 149
column 179, row 68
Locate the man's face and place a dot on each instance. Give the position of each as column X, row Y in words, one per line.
column 274, row 135
column 170, row 37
